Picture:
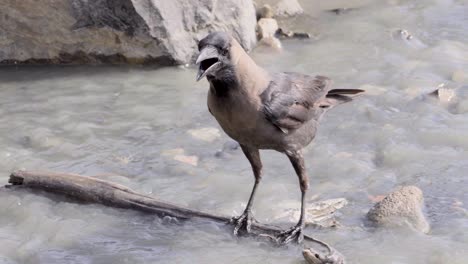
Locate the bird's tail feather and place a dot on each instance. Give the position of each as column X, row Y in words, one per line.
column 339, row 96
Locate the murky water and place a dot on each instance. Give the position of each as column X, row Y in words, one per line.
column 137, row 122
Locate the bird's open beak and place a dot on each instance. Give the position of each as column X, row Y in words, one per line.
column 207, row 60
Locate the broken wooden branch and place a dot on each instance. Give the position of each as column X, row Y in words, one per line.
column 94, row 190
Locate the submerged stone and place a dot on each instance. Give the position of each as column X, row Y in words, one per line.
column 460, row 76
column 208, row 134
column 402, row 207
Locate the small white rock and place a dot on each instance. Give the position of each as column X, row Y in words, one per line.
column 408, row 38
column 459, row 76
column 172, row 152
column 191, row 160
column 178, row 154
column 267, row 27
column 208, row 134
column 402, row 34
column 446, row 94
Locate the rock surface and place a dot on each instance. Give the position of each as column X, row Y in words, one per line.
column 178, row 154
column 267, row 27
column 318, row 214
column 288, row 8
column 208, row 134
column 271, row 42
column 454, row 99
column 119, row 31
column 264, row 12
column 460, row 76
column 409, row 39
column 313, row 256
column 229, row 147
column 403, row 207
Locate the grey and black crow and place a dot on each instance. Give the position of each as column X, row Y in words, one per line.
column 263, row 110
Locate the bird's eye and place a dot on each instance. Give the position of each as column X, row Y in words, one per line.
column 224, row 51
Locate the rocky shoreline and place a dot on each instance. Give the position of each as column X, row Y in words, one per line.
column 117, row 32
column 147, row 32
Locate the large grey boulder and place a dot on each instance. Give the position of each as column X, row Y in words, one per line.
column 163, row 32
column 402, row 207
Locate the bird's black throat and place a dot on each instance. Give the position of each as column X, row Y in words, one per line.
column 223, row 86
column 220, row 88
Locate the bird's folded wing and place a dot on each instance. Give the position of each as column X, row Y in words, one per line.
column 291, row 99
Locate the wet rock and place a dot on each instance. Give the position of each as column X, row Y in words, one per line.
column 454, row 99
column 322, row 213
column 271, row 42
column 340, row 11
column 318, row 214
column 405, row 36
column 228, row 147
column 403, row 207
column 178, row 154
column 332, row 256
column 290, row 34
column 460, row 76
column 191, row 160
column 264, row 12
column 267, row 28
column 266, row 31
column 119, row 31
column 457, row 206
column 444, row 94
column 376, row 198
column 288, row 8
column 40, row 138
column 402, row 34
column 125, row 160
column 208, row 134
column 172, row 152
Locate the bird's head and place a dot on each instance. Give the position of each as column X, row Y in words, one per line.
column 214, row 59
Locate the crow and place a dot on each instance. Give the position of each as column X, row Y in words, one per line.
column 262, row 110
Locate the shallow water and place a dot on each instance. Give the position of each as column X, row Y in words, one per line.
column 110, row 121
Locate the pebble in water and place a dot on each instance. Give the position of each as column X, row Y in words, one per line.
column 208, row 134
column 403, row 207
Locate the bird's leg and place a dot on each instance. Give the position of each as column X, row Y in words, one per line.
column 296, row 232
column 245, row 219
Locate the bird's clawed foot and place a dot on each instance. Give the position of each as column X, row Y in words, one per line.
column 243, row 222
column 293, row 234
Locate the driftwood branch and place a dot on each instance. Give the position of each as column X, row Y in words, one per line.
column 94, row 190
